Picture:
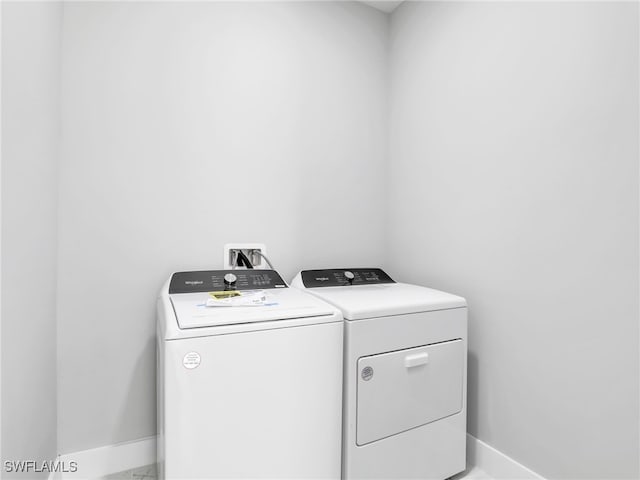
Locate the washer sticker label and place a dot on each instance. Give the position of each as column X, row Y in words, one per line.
column 191, row 360
column 367, row 373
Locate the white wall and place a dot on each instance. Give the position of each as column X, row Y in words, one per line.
column 30, row 143
column 514, row 182
column 186, row 126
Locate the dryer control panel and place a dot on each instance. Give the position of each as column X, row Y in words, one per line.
column 341, row 277
column 218, row 280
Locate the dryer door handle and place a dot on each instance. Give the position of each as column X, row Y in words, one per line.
column 416, row 360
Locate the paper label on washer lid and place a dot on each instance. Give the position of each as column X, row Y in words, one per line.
column 191, row 360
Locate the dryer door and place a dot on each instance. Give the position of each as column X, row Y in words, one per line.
column 401, row 390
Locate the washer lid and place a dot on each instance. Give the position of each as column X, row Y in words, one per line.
column 281, row 304
column 369, row 301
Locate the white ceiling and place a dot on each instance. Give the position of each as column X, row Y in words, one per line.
column 384, row 5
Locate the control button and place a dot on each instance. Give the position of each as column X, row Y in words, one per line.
column 230, row 279
column 349, row 276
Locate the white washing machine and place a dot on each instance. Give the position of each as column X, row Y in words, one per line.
column 405, row 358
column 247, row 392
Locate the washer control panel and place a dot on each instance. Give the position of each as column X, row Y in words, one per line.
column 341, row 277
column 218, row 280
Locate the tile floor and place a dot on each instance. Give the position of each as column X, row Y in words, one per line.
column 473, row 473
column 148, row 472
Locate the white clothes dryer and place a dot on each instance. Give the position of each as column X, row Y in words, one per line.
column 405, row 371
column 251, row 391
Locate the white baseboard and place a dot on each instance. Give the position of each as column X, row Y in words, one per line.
column 98, row 462
column 102, row 461
column 496, row 464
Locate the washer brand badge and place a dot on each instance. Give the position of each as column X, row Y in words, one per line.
column 367, row 373
column 191, row 360
column 322, row 279
column 193, row 282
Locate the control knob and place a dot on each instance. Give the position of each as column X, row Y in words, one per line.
column 230, row 280
column 349, row 276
